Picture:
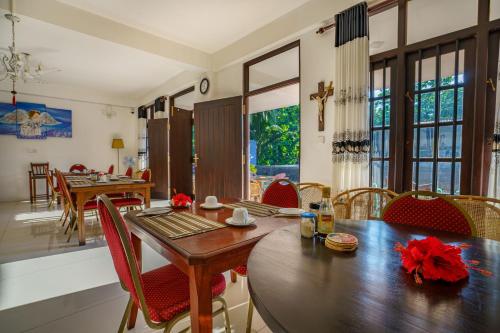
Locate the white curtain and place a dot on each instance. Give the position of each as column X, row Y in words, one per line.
column 494, row 182
column 351, row 131
column 142, row 139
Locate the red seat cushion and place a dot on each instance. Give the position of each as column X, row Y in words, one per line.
column 89, row 205
column 241, row 270
column 116, row 195
column 437, row 214
column 166, row 291
column 122, row 202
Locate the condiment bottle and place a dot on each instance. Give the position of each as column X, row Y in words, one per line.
column 325, row 215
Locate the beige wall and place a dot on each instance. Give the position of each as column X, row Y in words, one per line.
column 90, row 144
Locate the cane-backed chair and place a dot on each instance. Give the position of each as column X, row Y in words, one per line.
column 255, row 191
column 485, row 214
column 282, row 193
column 429, row 210
column 90, row 205
column 77, row 168
column 161, row 294
column 130, row 201
column 310, row 192
column 365, row 203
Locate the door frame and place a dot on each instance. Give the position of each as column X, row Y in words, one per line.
column 247, row 93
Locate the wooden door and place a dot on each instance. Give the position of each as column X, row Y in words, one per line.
column 219, row 148
column 158, row 156
column 181, row 151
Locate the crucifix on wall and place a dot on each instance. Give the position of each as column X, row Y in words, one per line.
column 321, row 97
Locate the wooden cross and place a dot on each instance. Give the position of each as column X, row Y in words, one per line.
column 321, row 97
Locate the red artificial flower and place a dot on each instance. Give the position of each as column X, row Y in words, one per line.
column 433, row 260
column 181, row 200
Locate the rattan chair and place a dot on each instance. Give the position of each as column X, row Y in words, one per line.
column 364, row 203
column 255, row 191
column 485, row 214
column 309, row 192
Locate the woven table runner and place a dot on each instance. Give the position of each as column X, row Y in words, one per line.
column 178, row 225
column 79, row 182
column 255, row 208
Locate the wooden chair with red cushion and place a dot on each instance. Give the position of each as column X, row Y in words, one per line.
column 163, row 293
column 129, row 201
column 111, row 169
column 431, row 211
column 90, row 205
column 77, row 168
column 281, row 193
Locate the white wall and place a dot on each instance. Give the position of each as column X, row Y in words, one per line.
column 90, row 144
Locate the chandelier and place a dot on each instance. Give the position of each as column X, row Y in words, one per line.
column 17, row 65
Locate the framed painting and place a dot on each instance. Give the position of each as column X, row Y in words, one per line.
column 7, row 119
column 63, row 128
column 32, row 120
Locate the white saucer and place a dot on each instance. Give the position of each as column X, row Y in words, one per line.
column 138, row 180
column 219, row 205
column 291, row 211
column 251, row 221
column 102, row 181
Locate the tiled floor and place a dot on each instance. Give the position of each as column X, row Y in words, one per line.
column 48, row 285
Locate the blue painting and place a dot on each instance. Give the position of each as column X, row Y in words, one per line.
column 34, row 121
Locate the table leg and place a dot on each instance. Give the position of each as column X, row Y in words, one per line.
column 136, row 244
column 34, row 190
column 200, row 291
column 80, row 202
column 31, row 187
column 47, row 188
column 147, row 197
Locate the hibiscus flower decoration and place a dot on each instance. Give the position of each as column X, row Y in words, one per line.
column 181, row 200
column 431, row 259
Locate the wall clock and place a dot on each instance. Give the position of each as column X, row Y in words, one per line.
column 204, row 85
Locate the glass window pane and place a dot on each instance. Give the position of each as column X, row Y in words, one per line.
column 431, row 18
column 417, row 75
column 494, row 9
column 279, row 68
column 461, row 55
column 387, row 112
column 415, row 143
column 376, row 170
column 443, row 178
column 427, row 107
column 415, row 108
column 425, row 170
column 414, row 177
column 428, row 79
column 378, row 113
column 386, row 143
column 387, row 81
column 447, row 69
column 426, row 142
column 457, row 177
column 383, row 31
column 378, row 82
column 458, row 147
column 460, row 103
column 386, row 174
column 446, row 104
column 377, row 144
column 445, row 141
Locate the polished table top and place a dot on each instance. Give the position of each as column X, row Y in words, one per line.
column 299, row 285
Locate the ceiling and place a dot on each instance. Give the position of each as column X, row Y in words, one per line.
column 86, row 61
column 207, row 25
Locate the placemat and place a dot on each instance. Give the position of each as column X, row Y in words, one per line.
column 255, row 208
column 178, row 225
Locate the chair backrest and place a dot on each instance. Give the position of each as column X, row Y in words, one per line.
column 438, row 213
column 50, row 181
column 485, row 214
column 39, row 169
column 77, row 167
column 129, row 172
column 146, row 175
column 362, row 203
column 122, row 252
column 63, row 187
column 111, row 169
column 282, row 193
column 310, row 192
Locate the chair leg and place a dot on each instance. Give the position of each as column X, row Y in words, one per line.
column 126, row 314
column 227, row 322
column 249, row 315
column 73, row 224
column 234, row 276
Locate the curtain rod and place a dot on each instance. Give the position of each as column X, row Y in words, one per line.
column 376, row 8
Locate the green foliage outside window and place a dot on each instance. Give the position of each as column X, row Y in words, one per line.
column 277, row 133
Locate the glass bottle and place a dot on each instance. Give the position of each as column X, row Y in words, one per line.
column 325, row 216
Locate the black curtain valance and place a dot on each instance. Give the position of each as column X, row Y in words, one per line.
column 351, row 23
column 160, row 104
column 142, row 112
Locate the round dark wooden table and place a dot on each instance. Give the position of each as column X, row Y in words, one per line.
column 299, row 285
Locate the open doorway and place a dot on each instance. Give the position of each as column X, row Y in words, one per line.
column 272, row 100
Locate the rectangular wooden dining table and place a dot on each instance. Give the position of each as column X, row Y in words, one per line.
column 202, row 255
column 85, row 189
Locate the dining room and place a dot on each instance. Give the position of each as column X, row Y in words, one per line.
column 250, row 166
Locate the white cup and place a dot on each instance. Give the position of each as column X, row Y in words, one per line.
column 240, row 216
column 211, row 201
column 103, row 178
